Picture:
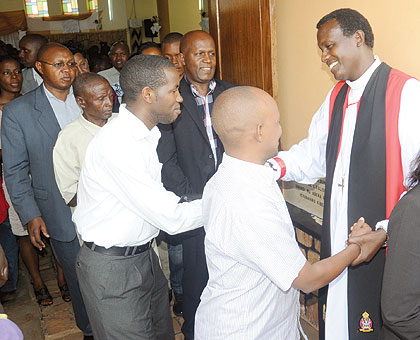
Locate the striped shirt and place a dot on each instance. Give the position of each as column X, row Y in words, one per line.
column 205, row 104
column 252, row 257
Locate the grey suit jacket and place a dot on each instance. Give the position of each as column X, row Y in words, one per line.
column 400, row 301
column 28, row 134
column 29, row 83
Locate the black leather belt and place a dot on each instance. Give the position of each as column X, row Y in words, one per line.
column 119, row 251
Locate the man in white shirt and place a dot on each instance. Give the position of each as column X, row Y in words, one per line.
column 29, row 46
column 118, row 54
column 362, row 139
column 94, row 96
column 255, row 265
column 122, row 204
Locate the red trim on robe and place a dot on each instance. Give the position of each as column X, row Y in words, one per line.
column 394, row 178
column 333, row 96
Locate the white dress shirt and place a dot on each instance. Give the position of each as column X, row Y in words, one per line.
column 113, row 77
column 69, row 153
column 65, row 111
column 121, row 200
column 252, row 257
column 305, row 163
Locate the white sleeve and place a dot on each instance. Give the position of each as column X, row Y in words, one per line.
column 305, row 162
column 130, row 181
column 408, row 125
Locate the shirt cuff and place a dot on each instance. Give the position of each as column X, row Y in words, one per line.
column 382, row 225
column 278, row 165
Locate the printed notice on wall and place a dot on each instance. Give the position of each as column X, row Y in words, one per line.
column 309, row 197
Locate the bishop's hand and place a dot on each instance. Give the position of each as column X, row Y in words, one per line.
column 369, row 241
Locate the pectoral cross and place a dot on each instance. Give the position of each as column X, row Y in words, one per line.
column 341, row 185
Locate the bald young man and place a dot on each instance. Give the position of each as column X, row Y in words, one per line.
column 190, row 152
column 255, row 265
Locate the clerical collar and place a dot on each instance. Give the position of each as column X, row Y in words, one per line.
column 364, row 78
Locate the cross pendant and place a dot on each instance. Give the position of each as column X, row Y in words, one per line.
column 341, row 184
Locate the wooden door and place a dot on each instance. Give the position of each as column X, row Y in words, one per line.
column 243, row 30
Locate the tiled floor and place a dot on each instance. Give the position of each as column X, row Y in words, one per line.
column 56, row 322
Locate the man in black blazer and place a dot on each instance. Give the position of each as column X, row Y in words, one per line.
column 190, row 152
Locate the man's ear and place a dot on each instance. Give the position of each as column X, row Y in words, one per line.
column 181, row 58
column 259, row 133
column 359, row 35
column 148, row 94
column 38, row 66
column 81, row 102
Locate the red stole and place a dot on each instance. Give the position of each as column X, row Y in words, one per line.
column 394, row 172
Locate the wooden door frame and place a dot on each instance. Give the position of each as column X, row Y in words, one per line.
column 267, row 30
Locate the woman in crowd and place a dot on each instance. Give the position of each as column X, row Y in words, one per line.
column 10, row 86
column 401, row 282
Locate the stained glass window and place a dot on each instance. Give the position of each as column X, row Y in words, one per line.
column 36, row 8
column 70, row 7
column 93, row 6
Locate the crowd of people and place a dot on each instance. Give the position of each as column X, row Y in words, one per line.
column 99, row 164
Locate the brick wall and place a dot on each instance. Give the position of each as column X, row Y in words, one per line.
column 310, row 245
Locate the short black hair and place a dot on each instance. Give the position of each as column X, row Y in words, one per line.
column 118, row 43
column 147, row 45
column 83, row 80
column 172, row 37
column 37, row 39
column 143, row 71
column 7, row 58
column 350, row 21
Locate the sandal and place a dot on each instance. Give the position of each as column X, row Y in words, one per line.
column 43, row 297
column 65, row 294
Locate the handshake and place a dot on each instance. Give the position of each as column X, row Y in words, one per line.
column 368, row 240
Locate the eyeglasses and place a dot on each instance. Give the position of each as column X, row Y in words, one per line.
column 70, row 64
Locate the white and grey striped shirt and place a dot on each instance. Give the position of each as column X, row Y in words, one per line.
column 252, row 257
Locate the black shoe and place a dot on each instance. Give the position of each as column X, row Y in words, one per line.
column 177, row 308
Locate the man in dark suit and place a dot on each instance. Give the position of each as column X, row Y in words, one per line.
column 30, row 126
column 190, row 152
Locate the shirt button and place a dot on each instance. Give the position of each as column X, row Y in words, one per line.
column 210, row 156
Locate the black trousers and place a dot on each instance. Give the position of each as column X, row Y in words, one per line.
column 193, row 281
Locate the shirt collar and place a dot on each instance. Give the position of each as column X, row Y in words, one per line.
column 194, row 91
column 114, row 70
column 89, row 126
column 50, row 96
column 136, row 126
column 364, row 78
column 250, row 171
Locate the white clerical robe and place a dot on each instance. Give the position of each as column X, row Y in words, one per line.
column 305, row 163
